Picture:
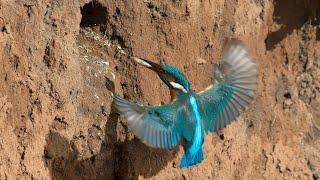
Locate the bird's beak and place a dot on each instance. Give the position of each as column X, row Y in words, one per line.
column 148, row 64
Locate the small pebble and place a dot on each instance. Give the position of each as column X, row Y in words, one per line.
column 288, row 102
column 201, row 61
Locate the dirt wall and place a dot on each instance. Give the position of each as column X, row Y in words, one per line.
column 61, row 61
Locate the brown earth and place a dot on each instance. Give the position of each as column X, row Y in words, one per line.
column 61, row 60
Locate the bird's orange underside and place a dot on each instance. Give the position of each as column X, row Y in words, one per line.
column 173, row 92
column 182, row 142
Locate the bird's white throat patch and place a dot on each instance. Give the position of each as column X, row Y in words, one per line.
column 178, row 86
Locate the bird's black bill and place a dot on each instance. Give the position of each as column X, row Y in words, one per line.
column 149, row 64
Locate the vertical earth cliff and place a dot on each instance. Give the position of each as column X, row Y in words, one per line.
column 61, row 61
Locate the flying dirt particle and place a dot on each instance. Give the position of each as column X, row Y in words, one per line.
column 86, row 58
column 105, row 63
column 287, row 103
column 113, row 75
column 96, row 38
column 201, row 61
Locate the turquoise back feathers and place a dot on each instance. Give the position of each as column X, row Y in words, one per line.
column 191, row 116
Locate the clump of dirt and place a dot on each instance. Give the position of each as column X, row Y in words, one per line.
column 63, row 60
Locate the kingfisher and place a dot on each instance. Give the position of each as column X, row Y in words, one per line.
column 189, row 116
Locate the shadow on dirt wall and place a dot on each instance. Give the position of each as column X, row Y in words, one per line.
column 292, row 15
column 115, row 160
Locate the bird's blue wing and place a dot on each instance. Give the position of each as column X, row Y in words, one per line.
column 157, row 126
column 236, row 79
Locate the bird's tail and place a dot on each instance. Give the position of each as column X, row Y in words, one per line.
column 190, row 160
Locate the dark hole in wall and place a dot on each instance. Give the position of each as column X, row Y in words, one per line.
column 96, row 16
column 315, row 18
column 287, row 95
column 221, row 136
column 93, row 14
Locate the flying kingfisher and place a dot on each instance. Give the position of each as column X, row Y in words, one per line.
column 190, row 115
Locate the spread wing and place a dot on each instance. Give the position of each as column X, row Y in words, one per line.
column 236, row 76
column 157, row 126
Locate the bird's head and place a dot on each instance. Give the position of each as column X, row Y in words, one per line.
column 170, row 75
